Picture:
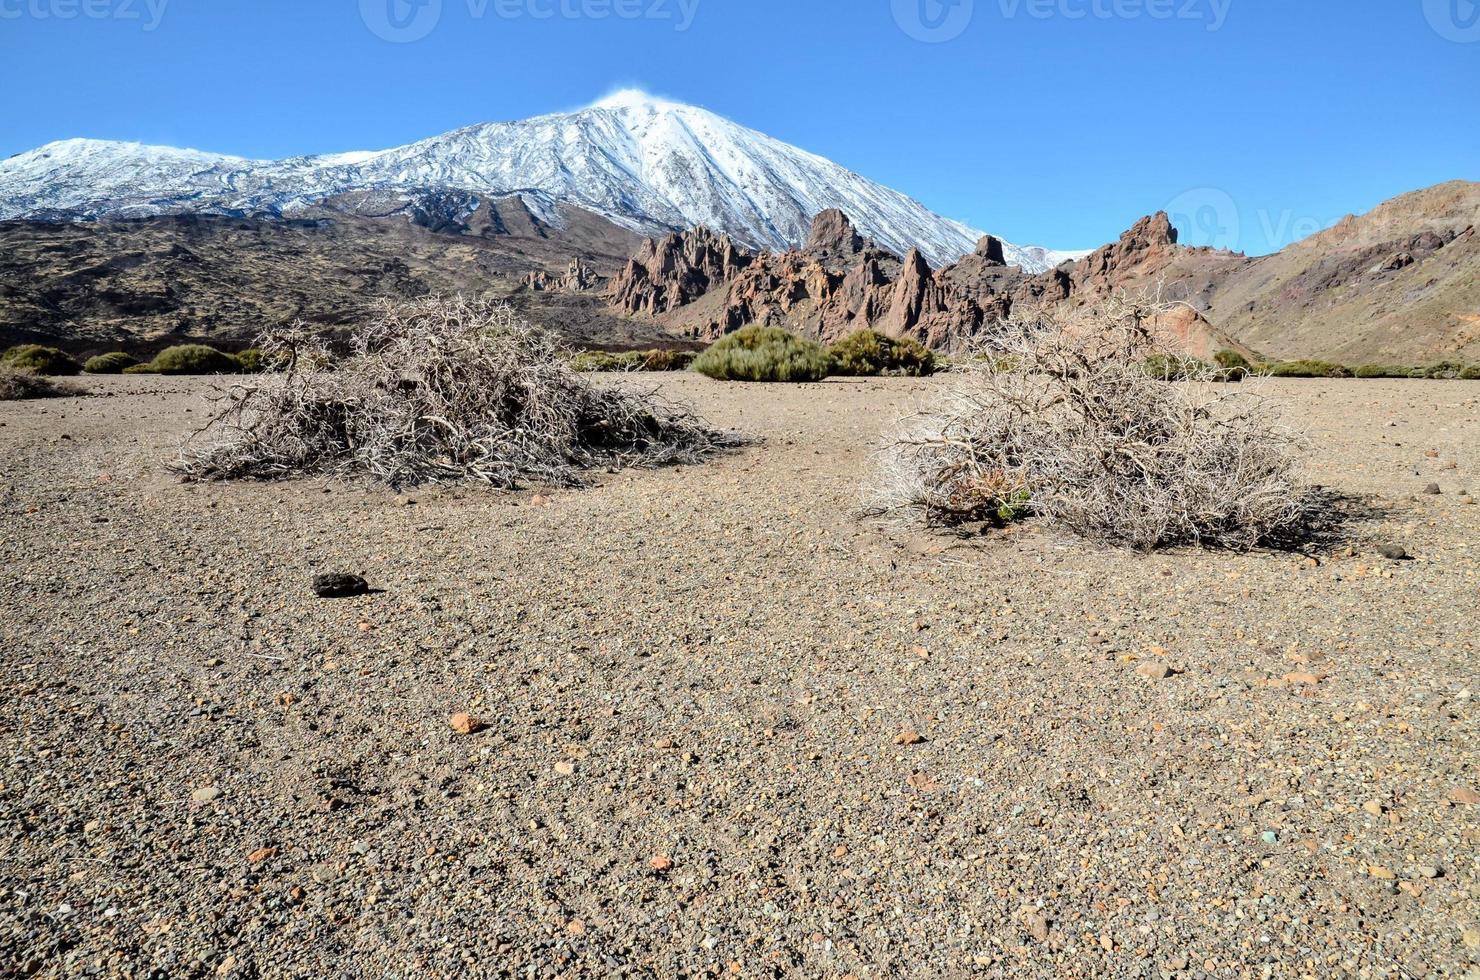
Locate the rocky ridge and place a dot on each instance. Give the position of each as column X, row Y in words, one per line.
column 703, row 285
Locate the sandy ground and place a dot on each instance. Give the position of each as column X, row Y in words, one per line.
column 694, row 682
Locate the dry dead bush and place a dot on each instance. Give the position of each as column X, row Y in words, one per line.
column 436, row 390
column 1063, row 423
column 18, row 385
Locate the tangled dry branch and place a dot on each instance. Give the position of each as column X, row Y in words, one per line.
column 437, row 390
column 1061, row 421
column 17, row 385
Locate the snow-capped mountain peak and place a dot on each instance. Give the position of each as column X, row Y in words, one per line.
column 646, row 163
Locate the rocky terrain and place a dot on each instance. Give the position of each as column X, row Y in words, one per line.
column 701, row 285
column 1398, row 285
column 146, row 283
column 708, row 722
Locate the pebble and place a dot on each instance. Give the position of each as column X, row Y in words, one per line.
column 1154, row 671
column 339, row 585
column 205, row 794
column 1393, row 552
column 909, row 737
column 465, row 724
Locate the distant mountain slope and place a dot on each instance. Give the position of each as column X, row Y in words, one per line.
column 143, row 283
column 646, row 164
column 1399, row 285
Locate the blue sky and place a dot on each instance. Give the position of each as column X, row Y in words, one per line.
column 1055, row 122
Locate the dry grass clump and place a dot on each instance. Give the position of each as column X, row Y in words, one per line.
column 437, row 390
column 19, row 385
column 1068, row 427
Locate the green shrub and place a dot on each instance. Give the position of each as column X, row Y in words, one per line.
column 756, row 353
column 1444, row 370
column 1306, row 369
column 1233, row 365
column 145, row 368
column 251, row 361
column 114, row 363
column 1178, row 367
column 194, row 359
column 36, row 359
column 868, row 352
column 653, row 360
column 668, row 360
column 1470, row 373
column 1382, row 371
column 600, row 360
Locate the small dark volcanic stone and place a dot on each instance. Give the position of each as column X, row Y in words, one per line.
column 339, row 586
column 1432, row 490
column 1393, row 552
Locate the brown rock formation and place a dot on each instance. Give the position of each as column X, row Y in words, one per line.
column 1402, row 283
column 578, row 278
column 677, row 269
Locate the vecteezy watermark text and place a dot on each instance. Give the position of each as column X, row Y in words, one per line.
column 403, row 21
column 1213, row 13
column 148, row 13
column 937, row 21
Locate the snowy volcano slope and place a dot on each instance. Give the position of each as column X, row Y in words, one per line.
column 644, row 163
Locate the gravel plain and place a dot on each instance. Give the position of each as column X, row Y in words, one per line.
column 721, row 726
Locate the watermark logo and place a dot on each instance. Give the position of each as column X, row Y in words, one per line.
column 1209, row 216
column 933, row 21
column 401, row 21
column 404, row 21
column 148, row 14
column 1206, row 216
column 1454, row 20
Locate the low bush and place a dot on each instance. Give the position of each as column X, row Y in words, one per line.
column 145, row 368
column 18, row 385
column 1306, row 369
column 668, row 360
column 1174, row 366
column 1235, row 366
column 1382, row 371
column 439, row 390
column 251, row 361
column 114, row 363
column 652, row 360
column 36, row 359
column 1470, row 373
column 1070, row 429
column 1444, row 371
column 756, row 353
column 867, row 353
column 194, row 359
